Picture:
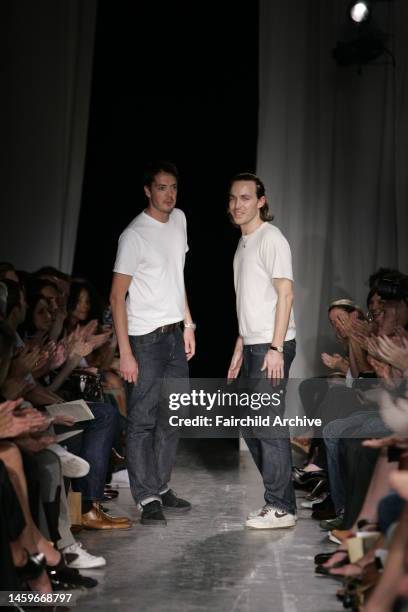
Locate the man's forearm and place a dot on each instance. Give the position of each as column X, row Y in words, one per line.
column 239, row 344
column 187, row 314
column 119, row 315
column 282, row 316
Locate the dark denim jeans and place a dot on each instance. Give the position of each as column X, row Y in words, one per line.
column 362, row 424
column 272, row 456
column 96, row 445
column 151, row 444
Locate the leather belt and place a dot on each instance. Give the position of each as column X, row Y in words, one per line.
column 166, row 329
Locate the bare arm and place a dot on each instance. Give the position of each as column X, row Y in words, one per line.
column 273, row 363
column 128, row 365
column 284, row 289
column 189, row 336
column 41, row 396
column 236, row 360
column 68, row 368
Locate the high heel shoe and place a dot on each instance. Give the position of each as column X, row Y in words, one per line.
column 320, row 487
column 33, row 568
column 63, row 577
column 310, row 480
column 326, row 571
column 357, row 591
column 323, row 557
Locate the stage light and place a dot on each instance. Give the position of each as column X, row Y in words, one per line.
column 360, row 11
column 361, row 40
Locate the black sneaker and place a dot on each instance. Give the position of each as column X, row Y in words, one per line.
column 173, row 503
column 152, row 514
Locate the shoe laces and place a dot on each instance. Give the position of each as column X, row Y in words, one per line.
column 265, row 510
column 74, row 548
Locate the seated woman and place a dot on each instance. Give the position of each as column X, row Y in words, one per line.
column 96, row 440
column 27, row 430
column 84, row 307
column 94, row 445
column 87, row 311
column 56, row 305
column 327, row 398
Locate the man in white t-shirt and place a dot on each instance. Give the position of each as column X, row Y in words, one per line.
column 149, row 304
column 266, row 344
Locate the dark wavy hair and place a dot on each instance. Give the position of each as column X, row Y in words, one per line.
column 264, row 213
column 96, row 303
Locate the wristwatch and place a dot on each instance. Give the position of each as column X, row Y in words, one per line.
column 276, row 348
column 190, row 326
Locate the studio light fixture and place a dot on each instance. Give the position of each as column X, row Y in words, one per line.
column 360, row 11
column 361, row 41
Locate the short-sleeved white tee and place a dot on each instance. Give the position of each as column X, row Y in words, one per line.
column 153, row 254
column 259, row 258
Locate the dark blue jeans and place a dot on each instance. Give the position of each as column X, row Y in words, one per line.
column 362, row 424
column 96, row 445
column 272, row 456
column 151, row 444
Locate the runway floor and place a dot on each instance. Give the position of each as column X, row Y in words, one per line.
column 207, row 560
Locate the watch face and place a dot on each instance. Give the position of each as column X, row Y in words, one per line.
column 280, row 349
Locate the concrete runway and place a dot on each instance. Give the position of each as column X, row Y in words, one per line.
column 206, row 560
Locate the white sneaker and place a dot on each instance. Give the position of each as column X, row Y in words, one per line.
column 255, row 513
column 72, row 465
column 271, row 518
column 84, row 559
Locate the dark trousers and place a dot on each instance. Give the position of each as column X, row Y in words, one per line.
column 358, row 464
column 151, row 444
column 96, row 445
column 12, row 524
column 272, row 456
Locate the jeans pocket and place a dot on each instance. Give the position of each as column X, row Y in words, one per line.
column 140, row 342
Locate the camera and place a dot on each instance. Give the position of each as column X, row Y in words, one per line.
column 393, row 288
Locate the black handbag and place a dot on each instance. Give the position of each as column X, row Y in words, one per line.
column 82, row 385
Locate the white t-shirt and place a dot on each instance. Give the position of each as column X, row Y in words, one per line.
column 259, row 258
column 153, row 254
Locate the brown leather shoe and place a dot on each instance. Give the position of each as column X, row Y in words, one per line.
column 96, row 519
column 109, row 516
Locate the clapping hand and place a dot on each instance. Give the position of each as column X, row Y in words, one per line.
column 24, row 361
column 335, row 362
column 397, row 441
column 359, row 331
column 394, row 351
column 15, row 421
